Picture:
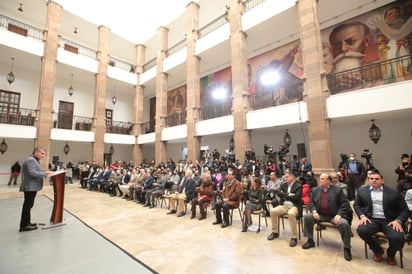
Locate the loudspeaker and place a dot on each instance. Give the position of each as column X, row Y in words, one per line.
column 301, row 150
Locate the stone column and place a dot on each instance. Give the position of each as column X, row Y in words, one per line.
column 99, row 123
column 240, row 95
column 315, row 86
column 137, row 153
column 193, row 82
column 161, row 96
column 48, row 79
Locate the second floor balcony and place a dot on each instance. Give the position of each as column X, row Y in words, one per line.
column 23, row 116
column 71, row 122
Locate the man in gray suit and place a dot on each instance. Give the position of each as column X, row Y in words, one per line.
column 32, row 181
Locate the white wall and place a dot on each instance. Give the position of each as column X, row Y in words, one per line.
column 396, row 139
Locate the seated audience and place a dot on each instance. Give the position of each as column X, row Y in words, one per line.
column 272, row 187
column 204, row 197
column 230, row 199
column 291, row 204
column 186, row 191
column 254, row 202
column 114, row 182
column 140, row 193
column 329, row 204
column 124, row 182
column 157, row 190
column 337, row 180
column 381, row 209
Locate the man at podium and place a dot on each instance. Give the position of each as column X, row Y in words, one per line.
column 32, row 181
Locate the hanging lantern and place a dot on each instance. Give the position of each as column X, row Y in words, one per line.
column 374, row 132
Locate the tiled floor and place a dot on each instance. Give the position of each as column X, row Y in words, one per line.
column 180, row 245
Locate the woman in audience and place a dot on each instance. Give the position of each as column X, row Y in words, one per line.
column 204, row 196
column 255, row 200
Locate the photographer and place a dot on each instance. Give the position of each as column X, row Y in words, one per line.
column 355, row 172
column 404, row 165
column 250, row 155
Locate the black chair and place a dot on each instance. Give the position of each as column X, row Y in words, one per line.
column 380, row 237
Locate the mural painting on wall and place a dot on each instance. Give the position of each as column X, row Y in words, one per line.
column 176, row 106
column 216, row 92
column 275, row 77
column 369, row 50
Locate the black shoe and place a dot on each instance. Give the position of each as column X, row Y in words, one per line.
column 171, row 212
column 309, row 244
column 33, row 224
column 224, row 224
column 347, row 254
column 217, row 222
column 146, row 205
column 28, row 228
column 181, row 214
column 293, row 242
column 244, row 229
column 193, row 216
column 272, row 236
column 152, row 206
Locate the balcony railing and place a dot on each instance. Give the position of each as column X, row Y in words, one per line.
column 119, row 127
column 77, row 48
column 279, row 96
column 151, row 63
column 68, row 121
column 250, row 4
column 218, row 22
column 385, row 72
column 176, row 119
column 176, row 47
column 24, row 116
column 20, row 28
column 148, row 127
column 216, row 109
column 114, row 62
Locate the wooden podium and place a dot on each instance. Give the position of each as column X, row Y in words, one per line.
column 59, row 180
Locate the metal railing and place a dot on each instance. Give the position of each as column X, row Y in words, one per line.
column 77, row 48
column 20, row 28
column 24, row 116
column 216, row 109
column 149, row 64
column 119, row 127
column 71, row 122
column 176, row 47
column 250, row 4
column 216, row 23
column 380, row 73
column 277, row 96
column 115, row 62
column 176, row 119
column 148, row 127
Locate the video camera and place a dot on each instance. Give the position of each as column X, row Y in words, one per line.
column 268, row 150
column 366, row 154
column 368, row 157
column 283, row 150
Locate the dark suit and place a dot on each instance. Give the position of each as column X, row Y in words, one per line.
column 186, row 191
column 394, row 208
column 293, row 211
column 337, row 205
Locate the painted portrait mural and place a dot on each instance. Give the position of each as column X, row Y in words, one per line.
column 275, row 77
column 176, row 106
column 369, row 50
column 216, row 94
